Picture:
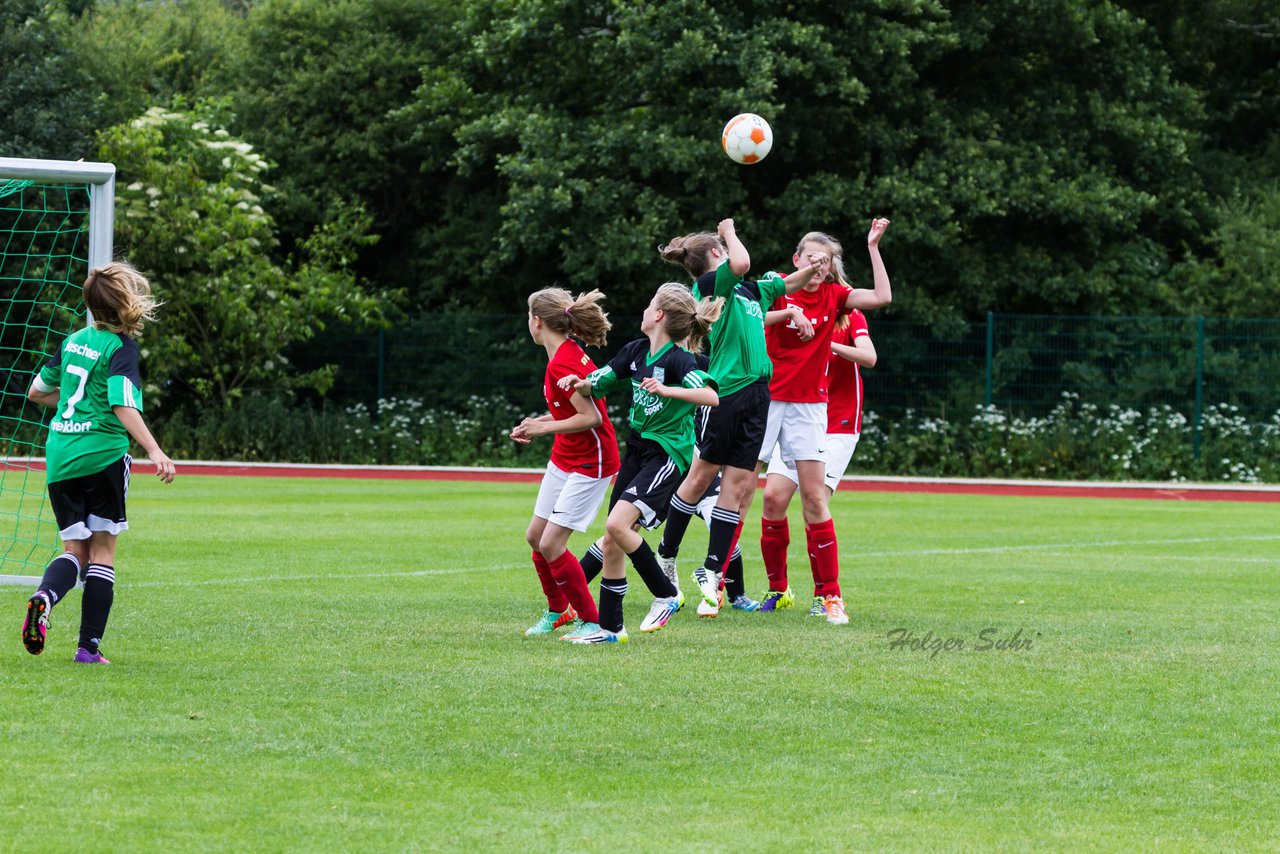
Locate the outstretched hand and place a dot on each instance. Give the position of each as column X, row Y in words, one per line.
column 878, row 227
column 572, row 384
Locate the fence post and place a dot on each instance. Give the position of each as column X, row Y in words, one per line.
column 1197, row 423
column 382, row 364
column 991, row 341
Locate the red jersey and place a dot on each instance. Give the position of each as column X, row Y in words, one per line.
column 844, row 408
column 590, row 452
column 800, row 367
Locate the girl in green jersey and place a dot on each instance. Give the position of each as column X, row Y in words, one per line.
column 730, row 440
column 94, row 385
column 667, row 386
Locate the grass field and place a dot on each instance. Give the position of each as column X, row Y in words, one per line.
column 339, row 665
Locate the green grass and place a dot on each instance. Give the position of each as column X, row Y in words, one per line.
column 313, row 665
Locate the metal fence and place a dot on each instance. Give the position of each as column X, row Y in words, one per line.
column 1020, row 364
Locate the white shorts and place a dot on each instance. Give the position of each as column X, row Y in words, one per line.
column 798, row 430
column 570, row 499
column 839, row 449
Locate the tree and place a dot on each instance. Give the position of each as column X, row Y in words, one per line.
column 1229, row 50
column 189, row 215
column 1055, row 156
column 1057, row 162
column 49, row 107
column 319, row 88
column 140, row 52
column 1036, row 157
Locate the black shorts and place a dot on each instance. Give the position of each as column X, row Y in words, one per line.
column 734, row 430
column 648, row 478
column 92, row 503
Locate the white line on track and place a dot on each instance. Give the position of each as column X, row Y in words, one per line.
column 333, row 576
column 1046, row 548
column 1215, row 559
column 1103, row 544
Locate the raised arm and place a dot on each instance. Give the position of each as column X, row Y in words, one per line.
column 801, row 277
column 881, row 295
column 739, row 258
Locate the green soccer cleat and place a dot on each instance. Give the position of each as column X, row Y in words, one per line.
column 550, row 621
column 776, row 600
column 818, row 608
column 579, row 629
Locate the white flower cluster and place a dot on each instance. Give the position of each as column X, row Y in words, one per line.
column 409, row 430
column 1079, row 439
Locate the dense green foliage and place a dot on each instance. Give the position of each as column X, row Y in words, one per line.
column 50, row 103
column 1035, row 156
column 191, row 208
column 1046, row 157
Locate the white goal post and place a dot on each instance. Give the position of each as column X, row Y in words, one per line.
column 99, row 179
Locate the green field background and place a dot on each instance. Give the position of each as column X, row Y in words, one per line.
column 339, row 665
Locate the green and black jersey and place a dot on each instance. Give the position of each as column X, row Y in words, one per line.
column 663, row 420
column 92, row 371
column 738, row 353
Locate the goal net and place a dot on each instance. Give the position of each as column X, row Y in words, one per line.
column 55, row 224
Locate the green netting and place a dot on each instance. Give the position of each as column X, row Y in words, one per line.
column 44, row 238
column 12, row 185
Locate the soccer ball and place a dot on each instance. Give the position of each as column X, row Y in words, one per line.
column 747, row 138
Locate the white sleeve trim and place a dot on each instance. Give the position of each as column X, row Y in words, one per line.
column 42, row 386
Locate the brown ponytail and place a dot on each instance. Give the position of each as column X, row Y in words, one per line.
column 687, row 319
column 692, row 251
column 581, row 318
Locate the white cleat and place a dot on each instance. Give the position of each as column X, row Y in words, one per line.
column 601, row 635
column 708, row 585
column 836, row 614
column 662, row 610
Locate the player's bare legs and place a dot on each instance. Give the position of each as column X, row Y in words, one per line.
column 684, row 505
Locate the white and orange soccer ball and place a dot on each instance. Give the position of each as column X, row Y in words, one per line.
column 747, row 138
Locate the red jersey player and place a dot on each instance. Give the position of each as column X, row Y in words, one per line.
column 851, row 347
column 797, row 427
column 584, row 455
